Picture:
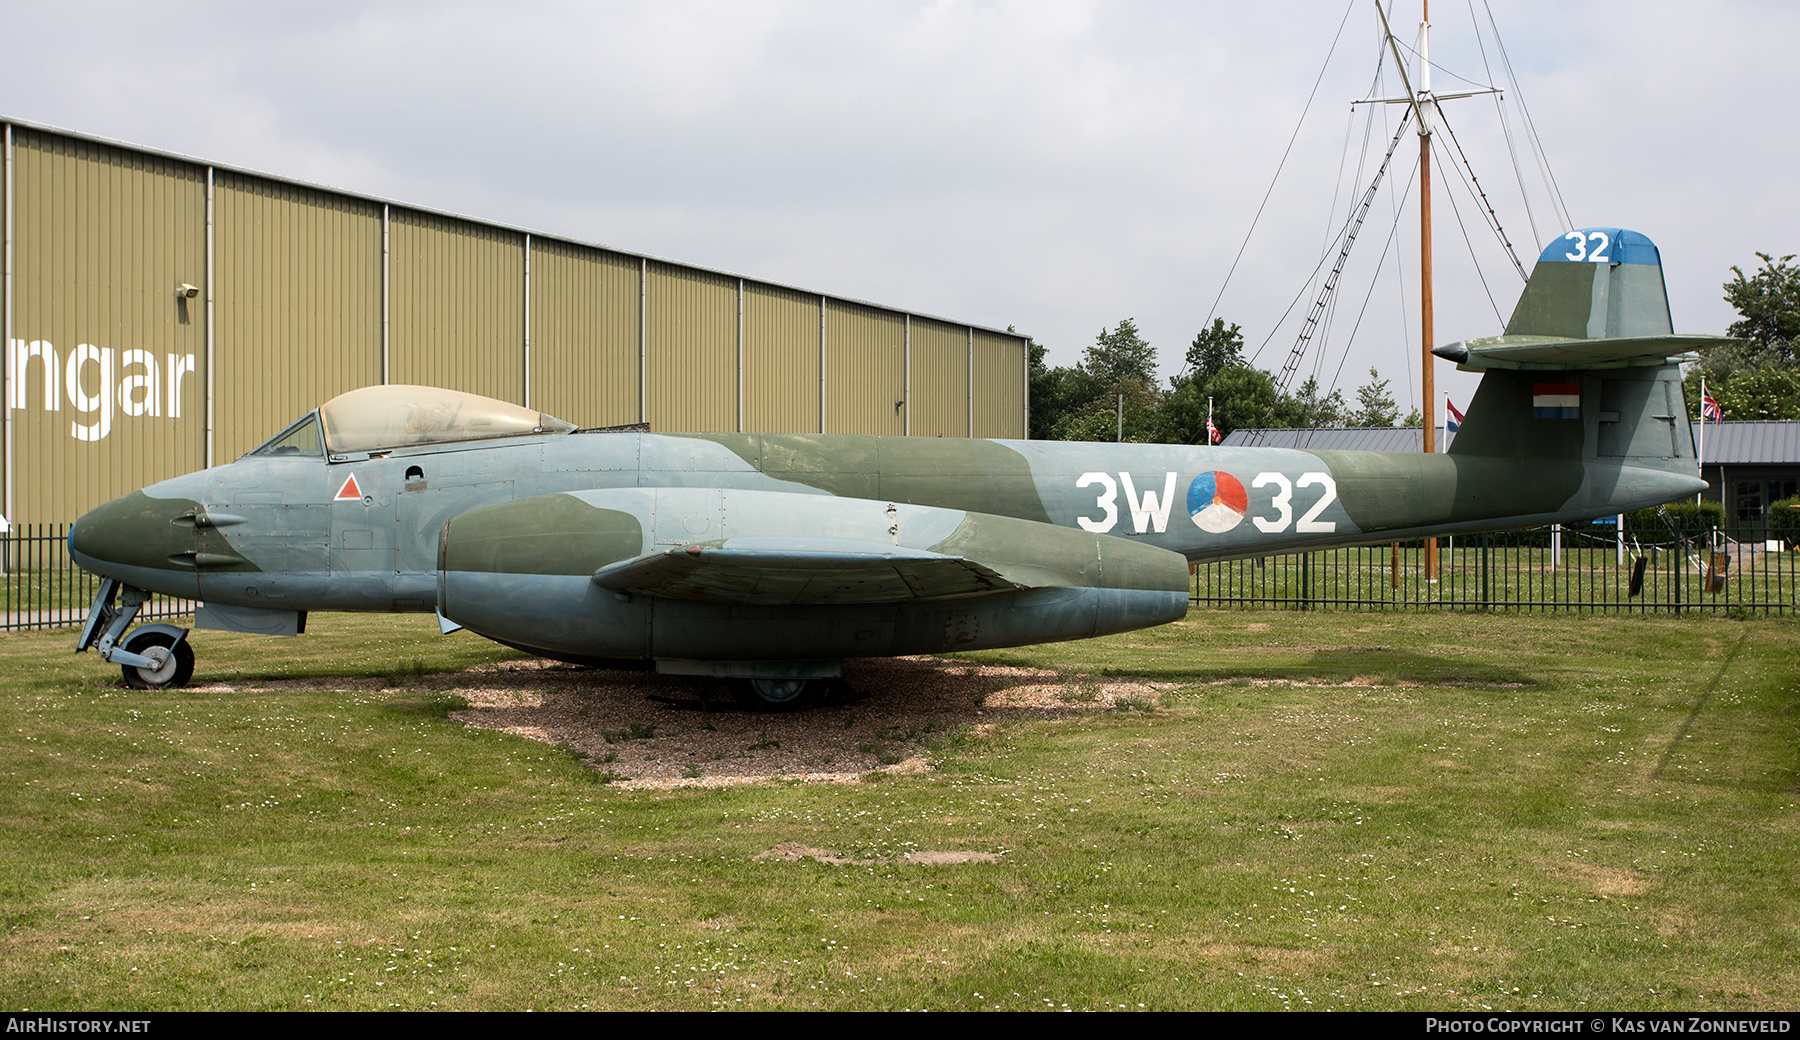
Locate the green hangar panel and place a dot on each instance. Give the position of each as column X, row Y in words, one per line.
column 585, row 333
column 164, row 313
column 297, row 301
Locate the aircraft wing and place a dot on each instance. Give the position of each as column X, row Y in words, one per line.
column 778, row 571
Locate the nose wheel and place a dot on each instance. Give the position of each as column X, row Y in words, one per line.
column 155, row 657
column 172, row 662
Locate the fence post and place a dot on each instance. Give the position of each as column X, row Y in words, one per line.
column 1680, row 562
column 1484, row 572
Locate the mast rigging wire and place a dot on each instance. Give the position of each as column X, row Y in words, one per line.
column 1286, row 377
column 1474, row 188
column 1512, row 147
column 1537, row 145
column 1310, row 325
column 1281, row 165
column 1472, row 257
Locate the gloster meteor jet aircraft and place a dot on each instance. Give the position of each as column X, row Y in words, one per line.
column 773, row 557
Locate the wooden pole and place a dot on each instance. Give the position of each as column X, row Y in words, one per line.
column 1425, row 315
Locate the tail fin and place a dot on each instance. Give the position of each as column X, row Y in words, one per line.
column 1589, row 368
column 1595, row 283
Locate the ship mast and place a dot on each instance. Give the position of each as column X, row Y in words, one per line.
column 1425, row 107
column 1427, row 110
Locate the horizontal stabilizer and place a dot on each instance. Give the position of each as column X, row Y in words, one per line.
column 774, row 571
column 1557, row 353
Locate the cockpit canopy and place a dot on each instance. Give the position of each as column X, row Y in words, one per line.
column 378, row 418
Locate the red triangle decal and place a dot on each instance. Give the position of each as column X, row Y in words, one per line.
column 350, row 492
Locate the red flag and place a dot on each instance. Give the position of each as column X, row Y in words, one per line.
column 1212, row 432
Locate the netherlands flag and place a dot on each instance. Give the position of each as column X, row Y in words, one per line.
column 1452, row 418
column 1556, row 400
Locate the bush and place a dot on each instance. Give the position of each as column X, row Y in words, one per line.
column 1691, row 519
column 1784, row 521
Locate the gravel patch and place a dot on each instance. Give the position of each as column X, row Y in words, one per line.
column 662, row 731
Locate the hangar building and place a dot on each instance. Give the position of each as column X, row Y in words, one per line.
column 164, row 313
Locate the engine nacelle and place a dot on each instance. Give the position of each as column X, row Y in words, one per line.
column 706, row 574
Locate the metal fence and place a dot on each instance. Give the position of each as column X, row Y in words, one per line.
column 1587, row 569
column 1590, row 568
column 40, row 587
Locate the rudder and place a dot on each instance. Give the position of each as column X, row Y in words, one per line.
column 1589, row 367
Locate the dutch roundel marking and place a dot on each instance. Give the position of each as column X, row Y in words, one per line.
column 350, row 492
column 1217, row 501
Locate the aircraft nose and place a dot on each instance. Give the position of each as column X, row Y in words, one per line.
column 134, row 533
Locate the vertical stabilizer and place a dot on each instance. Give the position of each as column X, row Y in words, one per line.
column 1595, row 283
column 1589, row 367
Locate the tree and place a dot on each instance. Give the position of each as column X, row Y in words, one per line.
column 1242, row 397
column 1375, row 403
column 1768, row 392
column 1120, row 356
column 1082, row 403
column 1305, row 409
column 1769, row 302
column 1055, row 393
column 1214, row 350
column 1758, row 378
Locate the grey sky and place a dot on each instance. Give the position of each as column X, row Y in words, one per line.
column 1055, row 166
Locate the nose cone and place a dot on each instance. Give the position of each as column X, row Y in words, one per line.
column 136, row 532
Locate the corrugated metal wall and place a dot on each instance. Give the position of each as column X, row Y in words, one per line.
column 101, row 238
column 940, row 379
column 584, row 333
column 456, row 306
column 297, row 312
column 312, row 292
column 865, row 369
column 999, row 396
column 781, row 360
column 691, row 353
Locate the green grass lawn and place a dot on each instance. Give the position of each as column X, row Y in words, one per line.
column 1386, row 811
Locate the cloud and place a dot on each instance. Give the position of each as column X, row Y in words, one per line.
column 1057, row 166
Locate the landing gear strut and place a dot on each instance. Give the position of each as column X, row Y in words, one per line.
column 156, row 657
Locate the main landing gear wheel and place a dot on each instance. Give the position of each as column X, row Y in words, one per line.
column 779, row 694
column 174, row 662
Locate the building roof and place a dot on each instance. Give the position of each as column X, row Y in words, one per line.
column 1336, row 438
column 1766, row 442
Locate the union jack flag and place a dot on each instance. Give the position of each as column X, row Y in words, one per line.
column 1709, row 409
column 1212, row 432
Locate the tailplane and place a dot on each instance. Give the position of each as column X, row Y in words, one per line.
column 1588, row 368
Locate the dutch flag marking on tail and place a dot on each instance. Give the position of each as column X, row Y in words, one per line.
column 1556, row 400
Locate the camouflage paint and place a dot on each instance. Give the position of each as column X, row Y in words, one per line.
column 805, row 547
column 553, row 534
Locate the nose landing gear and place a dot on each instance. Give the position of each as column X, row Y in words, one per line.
column 157, row 656
column 173, row 661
